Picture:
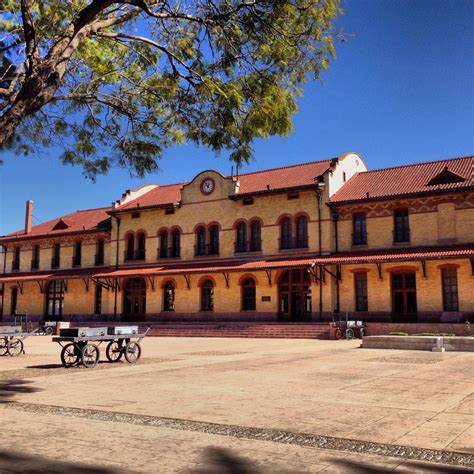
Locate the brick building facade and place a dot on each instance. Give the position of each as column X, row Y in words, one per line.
column 298, row 243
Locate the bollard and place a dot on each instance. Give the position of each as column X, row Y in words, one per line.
column 439, row 345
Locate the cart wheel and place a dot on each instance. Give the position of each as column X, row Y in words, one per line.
column 3, row 346
column 133, row 351
column 49, row 330
column 338, row 333
column 349, row 333
column 114, row 351
column 15, row 346
column 90, row 356
column 70, row 355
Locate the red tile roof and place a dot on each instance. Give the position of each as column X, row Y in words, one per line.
column 408, row 179
column 89, row 220
column 285, row 177
column 282, row 178
column 159, row 196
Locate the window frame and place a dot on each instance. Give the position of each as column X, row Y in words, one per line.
column 248, row 302
column 361, row 300
column 359, row 228
column 451, row 293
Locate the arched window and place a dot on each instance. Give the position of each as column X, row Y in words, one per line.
column 241, row 240
column 248, row 295
column 200, row 248
column 214, row 240
column 130, row 252
column 285, row 233
column 163, row 250
column 301, row 232
column 207, row 296
column 255, row 236
column 55, row 299
column 141, row 246
column 176, row 243
column 168, row 296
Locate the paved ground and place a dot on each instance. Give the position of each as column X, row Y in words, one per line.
column 239, row 406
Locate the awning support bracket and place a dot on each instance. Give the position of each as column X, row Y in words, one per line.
column 152, row 282
column 472, row 266
column 41, row 284
column 86, row 283
column 226, row 276
column 188, row 280
column 423, row 266
column 379, row 270
column 269, row 276
column 20, row 285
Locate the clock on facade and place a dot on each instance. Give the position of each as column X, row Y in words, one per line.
column 207, row 186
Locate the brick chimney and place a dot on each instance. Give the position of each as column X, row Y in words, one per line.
column 28, row 216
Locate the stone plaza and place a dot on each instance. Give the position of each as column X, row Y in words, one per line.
column 239, row 406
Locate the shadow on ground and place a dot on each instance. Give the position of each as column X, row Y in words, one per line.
column 14, row 462
column 360, row 467
column 224, row 461
column 10, row 388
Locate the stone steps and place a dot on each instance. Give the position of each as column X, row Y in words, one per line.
column 230, row 329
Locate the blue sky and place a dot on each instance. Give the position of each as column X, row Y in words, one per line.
column 400, row 91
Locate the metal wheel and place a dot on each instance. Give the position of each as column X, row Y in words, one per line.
column 3, row 346
column 349, row 333
column 49, row 330
column 15, row 347
column 338, row 333
column 90, row 356
column 133, row 351
column 70, row 355
column 114, row 351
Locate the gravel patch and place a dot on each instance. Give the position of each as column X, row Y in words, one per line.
column 272, row 435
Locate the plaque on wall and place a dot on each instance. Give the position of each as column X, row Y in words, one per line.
column 266, row 298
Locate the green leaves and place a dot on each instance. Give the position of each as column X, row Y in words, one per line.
column 134, row 82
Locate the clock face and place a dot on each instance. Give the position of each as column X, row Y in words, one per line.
column 207, row 186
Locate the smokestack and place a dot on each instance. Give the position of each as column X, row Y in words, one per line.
column 29, row 217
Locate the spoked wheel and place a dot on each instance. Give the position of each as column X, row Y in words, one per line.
column 3, row 346
column 90, row 356
column 114, row 351
column 70, row 355
column 133, row 351
column 338, row 333
column 15, row 346
column 49, row 330
column 349, row 333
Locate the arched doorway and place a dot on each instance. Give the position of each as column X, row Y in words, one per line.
column 294, row 288
column 134, row 300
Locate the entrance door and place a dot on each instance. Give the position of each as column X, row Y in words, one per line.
column 404, row 296
column 134, row 300
column 295, row 296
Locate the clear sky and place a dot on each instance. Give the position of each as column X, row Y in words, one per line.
column 400, row 91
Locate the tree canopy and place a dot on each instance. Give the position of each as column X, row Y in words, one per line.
column 116, row 83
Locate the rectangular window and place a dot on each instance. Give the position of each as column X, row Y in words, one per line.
column 361, row 291
column 450, row 290
column 401, row 231
column 35, row 257
column 16, row 259
column 77, row 257
column 99, row 256
column 98, row 300
column 359, row 228
column 56, row 260
column 14, row 301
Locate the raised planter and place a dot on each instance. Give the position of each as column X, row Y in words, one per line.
column 419, row 343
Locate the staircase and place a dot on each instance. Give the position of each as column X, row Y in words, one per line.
column 226, row 329
column 248, row 330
